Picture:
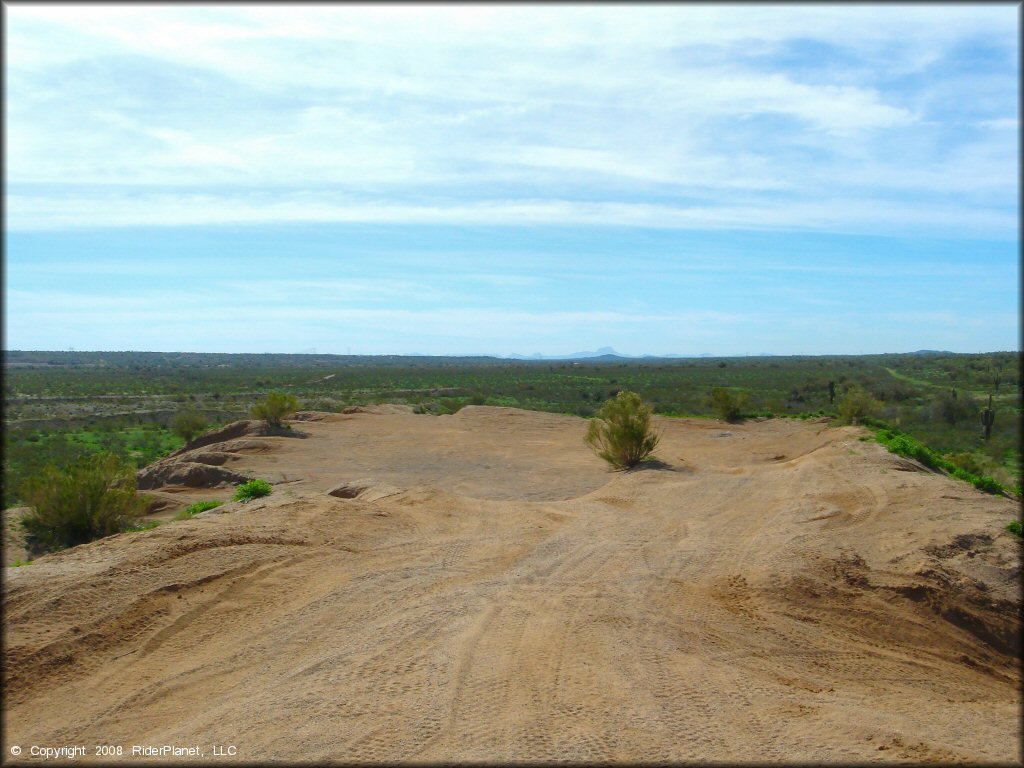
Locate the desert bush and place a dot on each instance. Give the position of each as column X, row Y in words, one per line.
column 904, row 445
column 194, row 509
column 621, row 432
column 965, row 461
column 253, row 489
column 275, row 407
column 984, row 483
column 856, row 405
column 952, row 410
column 726, row 405
column 188, row 424
column 92, row 498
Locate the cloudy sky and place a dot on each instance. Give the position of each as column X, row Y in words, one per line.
column 791, row 179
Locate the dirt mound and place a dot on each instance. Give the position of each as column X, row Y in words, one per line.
column 488, row 591
column 311, row 416
column 367, row 490
column 384, row 409
column 199, row 464
column 187, row 473
column 243, row 428
column 214, row 458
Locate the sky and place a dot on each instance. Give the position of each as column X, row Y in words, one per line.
column 496, row 179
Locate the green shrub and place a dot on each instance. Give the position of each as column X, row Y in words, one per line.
column 726, row 405
column 965, row 461
column 253, row 489
column 194, row 509
column 987, row 484
column 1015, row 528
column 92, row 498
column 953, row 409
column 857, row 405
column 621, row 432
column 905, row 445
column 275, row 407
column 450, row 405
column 188, row 424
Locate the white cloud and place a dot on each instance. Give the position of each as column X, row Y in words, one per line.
column 1001, row 124
column 849, row 215
column 370, row 107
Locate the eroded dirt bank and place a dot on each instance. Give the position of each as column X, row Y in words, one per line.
column 483, row 589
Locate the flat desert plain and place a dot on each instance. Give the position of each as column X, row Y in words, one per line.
column 480, row 587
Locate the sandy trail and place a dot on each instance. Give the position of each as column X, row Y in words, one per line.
column 774, row 591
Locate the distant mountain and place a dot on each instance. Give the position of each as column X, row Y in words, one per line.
column 603, row 353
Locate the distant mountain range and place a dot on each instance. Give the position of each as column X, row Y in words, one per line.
column 604, row 353
column 607, row 353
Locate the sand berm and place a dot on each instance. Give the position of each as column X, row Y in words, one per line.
column 480, row 587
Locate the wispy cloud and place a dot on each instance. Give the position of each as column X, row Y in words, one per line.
column 849, row 215
column 652, row 116
column 446, row 177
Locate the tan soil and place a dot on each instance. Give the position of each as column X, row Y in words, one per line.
column 481, row 588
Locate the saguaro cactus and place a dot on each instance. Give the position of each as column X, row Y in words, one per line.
column 988, row 418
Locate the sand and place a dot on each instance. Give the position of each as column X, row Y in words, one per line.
column 482, row 588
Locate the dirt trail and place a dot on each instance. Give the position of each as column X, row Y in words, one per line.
column 774, row 591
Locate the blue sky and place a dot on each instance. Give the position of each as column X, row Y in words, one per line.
column 790, row 179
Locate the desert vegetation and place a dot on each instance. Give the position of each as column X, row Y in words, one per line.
column 252, row 489
column 856, row 405
column 194, row 509
column 621, row 432
column 727, row 405
column 92, row 498
column 962, row 466
column 60, row 406
column 275, row 407
column 188, row 424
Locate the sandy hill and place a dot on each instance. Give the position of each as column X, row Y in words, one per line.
column 481, row 588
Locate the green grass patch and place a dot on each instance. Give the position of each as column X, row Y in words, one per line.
column 1015, row 528
column 194, row 509
column 145, row 525
column 253, row 489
